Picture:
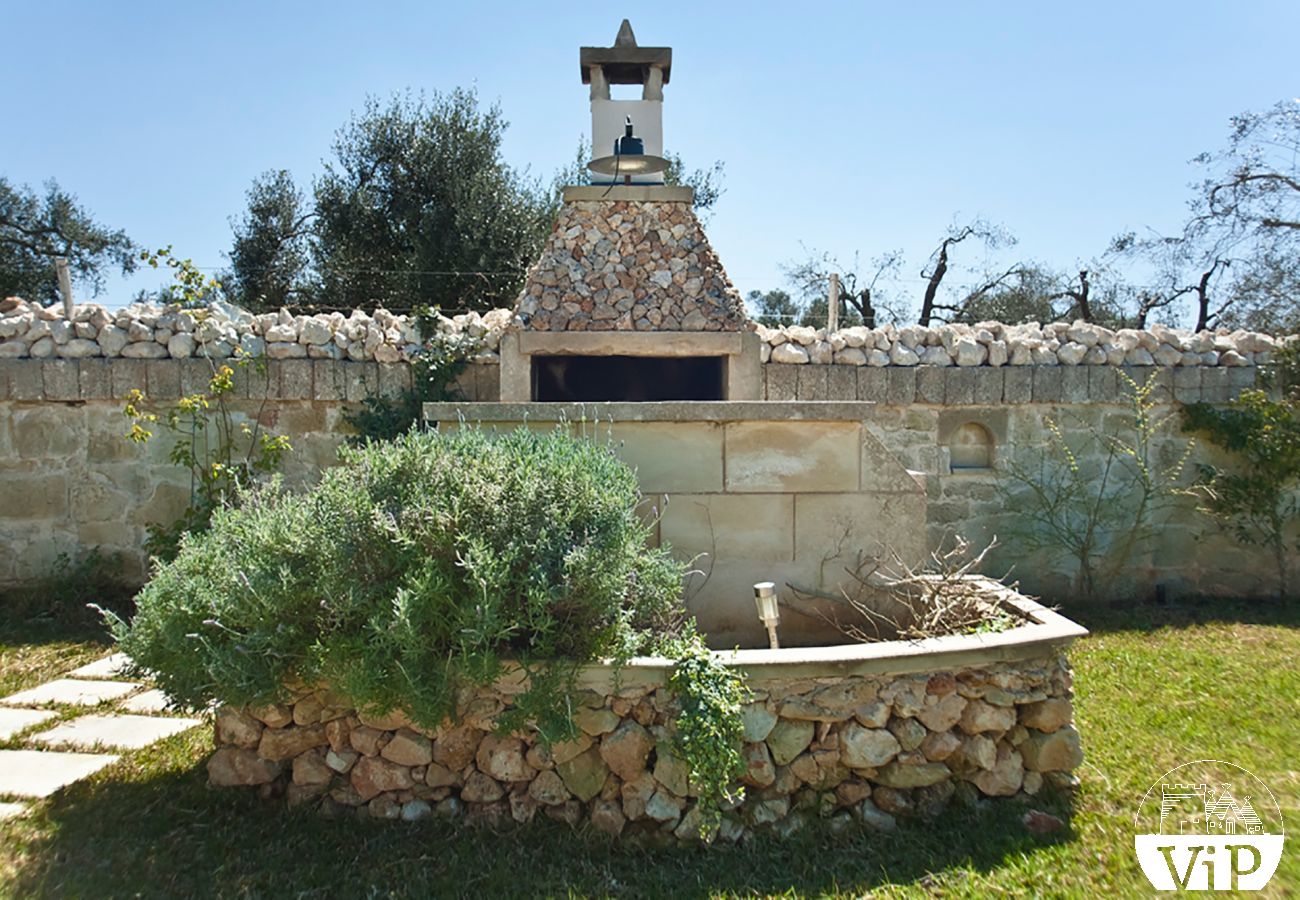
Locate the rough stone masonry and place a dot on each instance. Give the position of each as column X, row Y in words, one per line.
column 871, row 749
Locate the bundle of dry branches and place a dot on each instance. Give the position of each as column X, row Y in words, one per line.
column 887, row 599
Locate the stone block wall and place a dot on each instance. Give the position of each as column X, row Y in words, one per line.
column 70, row 481
column 750, row 494
column 871, row 748
column 921, row 409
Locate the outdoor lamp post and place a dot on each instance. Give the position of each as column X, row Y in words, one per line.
column 768, row 611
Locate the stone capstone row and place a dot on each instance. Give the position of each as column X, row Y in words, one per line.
column 620, row 266
column 1032, row 344
column 853, row 749
column 144, row 331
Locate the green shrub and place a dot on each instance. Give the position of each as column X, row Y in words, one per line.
column 410, row 571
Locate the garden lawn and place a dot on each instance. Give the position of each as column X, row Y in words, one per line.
column 1155, row 687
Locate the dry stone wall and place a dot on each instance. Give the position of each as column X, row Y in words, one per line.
column 70, row 482
column 870, row 748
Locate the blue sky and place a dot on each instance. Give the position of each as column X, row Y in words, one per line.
column 843, row 127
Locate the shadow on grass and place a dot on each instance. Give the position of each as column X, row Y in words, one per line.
column 169, row 834
column 1148, row 616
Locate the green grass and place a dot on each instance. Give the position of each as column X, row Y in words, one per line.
column 1154, row 688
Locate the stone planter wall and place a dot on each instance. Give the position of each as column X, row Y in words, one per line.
column 857, row 734
column 870, row 747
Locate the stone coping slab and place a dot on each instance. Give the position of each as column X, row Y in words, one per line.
column 71, row 691
column 124, row 732
column 644, row 193
column 39, row 773
column 1044, row 634
column 106, row 668
column 667, row 411
column 13, row 721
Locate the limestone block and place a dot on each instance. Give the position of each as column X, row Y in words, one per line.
column 1074, row 383
column 873, row 384
column 48, row 432
column 902, row 386
column 327, row 380
column 960, row 384
column 813, row 381
column 930, row 385
column 730, row 526
column 95, row 380
column 1018, row 385
column 792, row 456
column 881, row 470
column 61, row 379
column 670, row 457
column 1047, row 384
column 360, row 380
column 24, row 497
column 295, row 379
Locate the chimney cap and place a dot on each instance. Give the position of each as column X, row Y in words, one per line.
column 625, row 62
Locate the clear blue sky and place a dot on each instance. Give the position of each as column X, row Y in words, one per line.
column 843, row 127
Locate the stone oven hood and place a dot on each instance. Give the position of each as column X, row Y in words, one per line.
column 628, row 276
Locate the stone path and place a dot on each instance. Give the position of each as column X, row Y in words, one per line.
column 125, row 718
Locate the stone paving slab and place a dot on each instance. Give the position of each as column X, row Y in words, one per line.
column 13, row 721
column 71, row 691
column 102, row 668
column 39, row 773
column 119, row 732
column 10, row 810
column 150, row 701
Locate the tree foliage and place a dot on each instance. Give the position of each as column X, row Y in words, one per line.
column 271, row 256
column 37, row 228
column 416, row 207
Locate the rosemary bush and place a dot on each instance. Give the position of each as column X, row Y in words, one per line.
column 411, row 570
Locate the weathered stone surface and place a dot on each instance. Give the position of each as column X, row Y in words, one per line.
column 867, row 748
column 584, row 775
column 1006, row 775
column 389, row 721
column 503, row 758
column 341, row 761
column 276, row 715
column 759, row 770
column 374, row 775
column 286, row 743
column 636, row 793
column 479, row 788
column 234, row 767
column 595, row 721
column 758, row 721
column 896, row 775
column 979, row 751
column 943, row 714
column 310, row 768
column 874, row 818
column 566, row 750
column 788, row 739
column 1046, row 715
column 607, row 816
column 625, row 751
column 1059, row 751
column 979, row 716
column 234, row 726
column 436, row 776
column 367, row 741
column 909, row 732
column 670, row 770
column 548, row 789
column 455, row 749
column 664, row 807
column 408, row 749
